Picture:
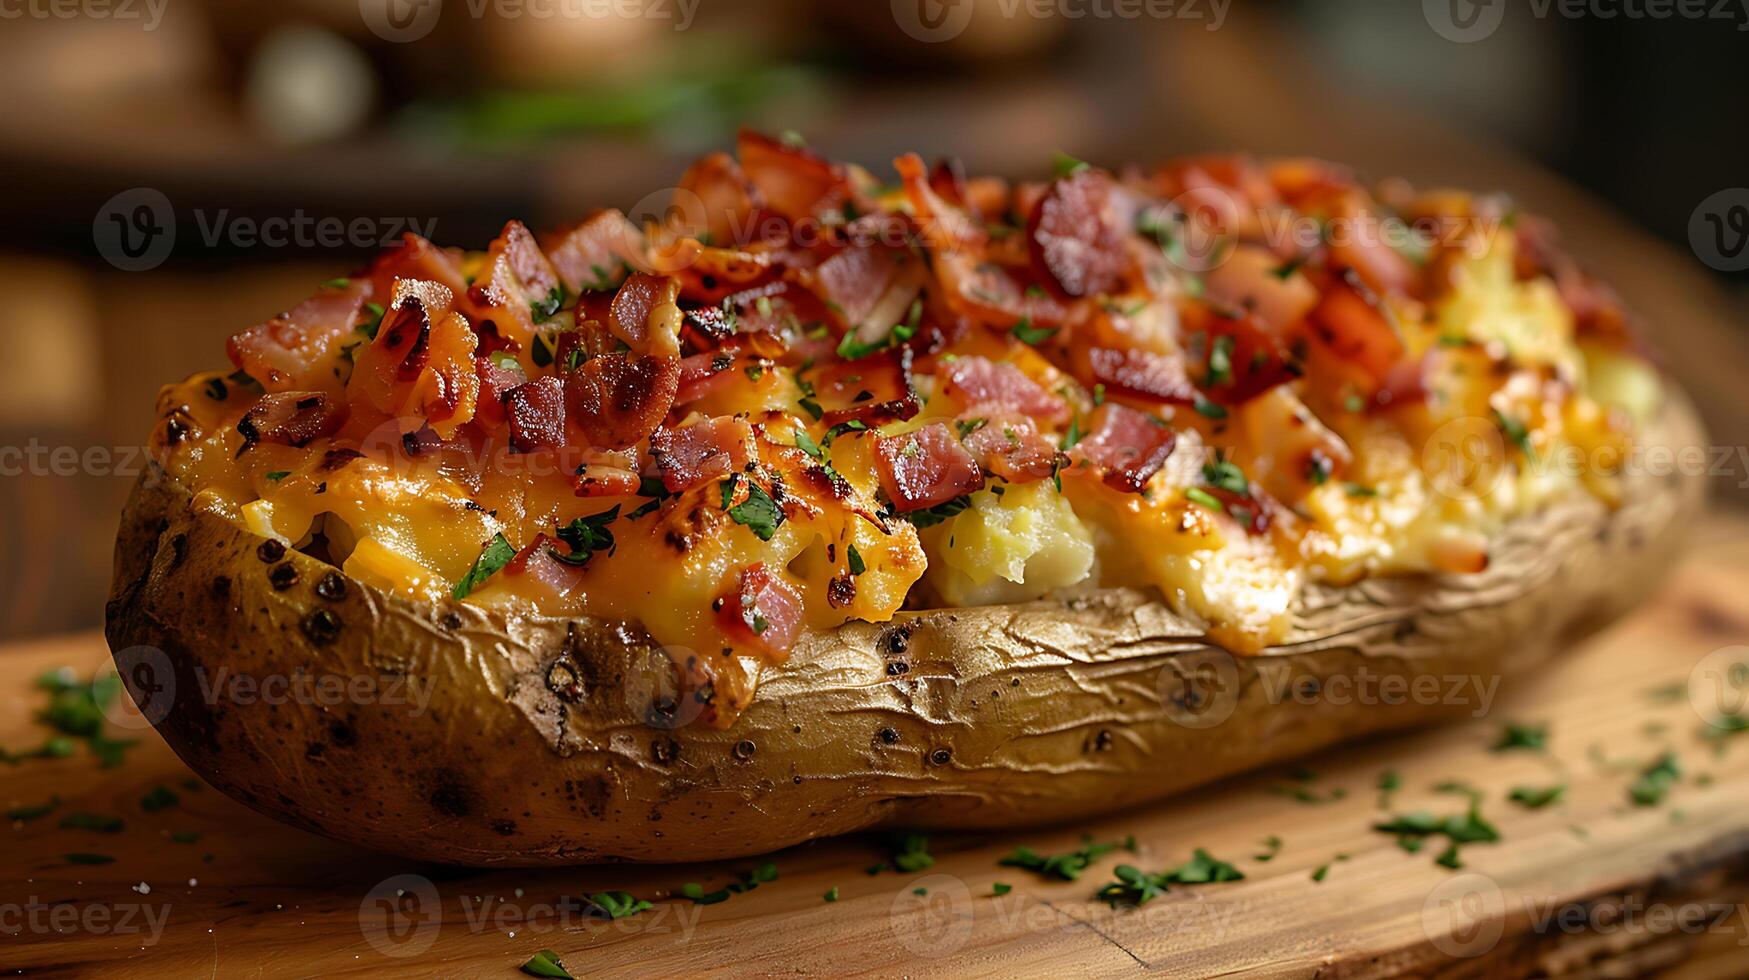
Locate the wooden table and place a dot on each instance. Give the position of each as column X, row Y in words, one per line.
column 1588, row 886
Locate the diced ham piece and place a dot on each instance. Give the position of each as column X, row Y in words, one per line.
column 980, row 385
column 537, row 563
column 1127, row 446
column 618, row 399
column 1255, row 358
column 1012, row 449
column 1142, row 374
column 536, row 412
column 1077, row 234
column 292, row 418
column 296, row 351
column 764, row 612
column 707, row 450
column 927, row 467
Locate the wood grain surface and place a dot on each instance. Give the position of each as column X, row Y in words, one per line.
column 1591, row 885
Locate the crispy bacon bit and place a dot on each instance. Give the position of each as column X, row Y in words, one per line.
column 292, row 418
column 293, row 351
column 605, row 480
column 1142, row 374
column 703, row 451
column 927, row 467
column 597, row 252
column 721, row 203
column 981, row 386
column 1128, row 446
column 536, row 412
column 496, row 380
column 1351, row 322
column 619, row 399
column 1241, row 357
column 1077, row 234
column 1012, row 448
column 640, row 296
column 417, row 260
column 948, row 179
column 794, row 181
column 763, row 612
column 874, row 390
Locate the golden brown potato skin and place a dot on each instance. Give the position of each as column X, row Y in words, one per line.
column 540, row 744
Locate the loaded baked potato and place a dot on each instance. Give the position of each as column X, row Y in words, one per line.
column 822, row 504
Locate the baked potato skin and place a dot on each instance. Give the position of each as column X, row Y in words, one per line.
column 544, row 740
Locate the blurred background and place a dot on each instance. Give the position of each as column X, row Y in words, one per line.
column 179, row 169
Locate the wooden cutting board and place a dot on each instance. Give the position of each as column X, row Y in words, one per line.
column 1591, row 885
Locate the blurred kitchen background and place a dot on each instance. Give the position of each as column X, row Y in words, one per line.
column 179, row 169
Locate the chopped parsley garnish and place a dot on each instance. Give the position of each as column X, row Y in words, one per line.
column 618, row 905
column 1210, row 410
column 373, row 320
column 1220, row 361
column 747, row 882
column 586, row 536
column 1360, row 490
column 1000, row 888
column 1073, row 435
column 931, row 516
column 1064, row 165
column 160, row 798
column 278, row 475
column 1286, row 270
column 1318, row 469
column 910, row 853
column 1198, row 495
column 1026, row 333
column 1531, row 738
column 831, row 894
column 92, row 821
column 542, row 351
column 1515, row 431
column 1656, row 781
column 1226, row 476
column 855, row 558
column 1535, row 798
column 1067, row 866
column 493, row 558
column 340, row 283
column 1134, row 887
column 758, row 513
column 1413, row 830
column 1272, row 843
column 546, row 964
column 25, row 814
